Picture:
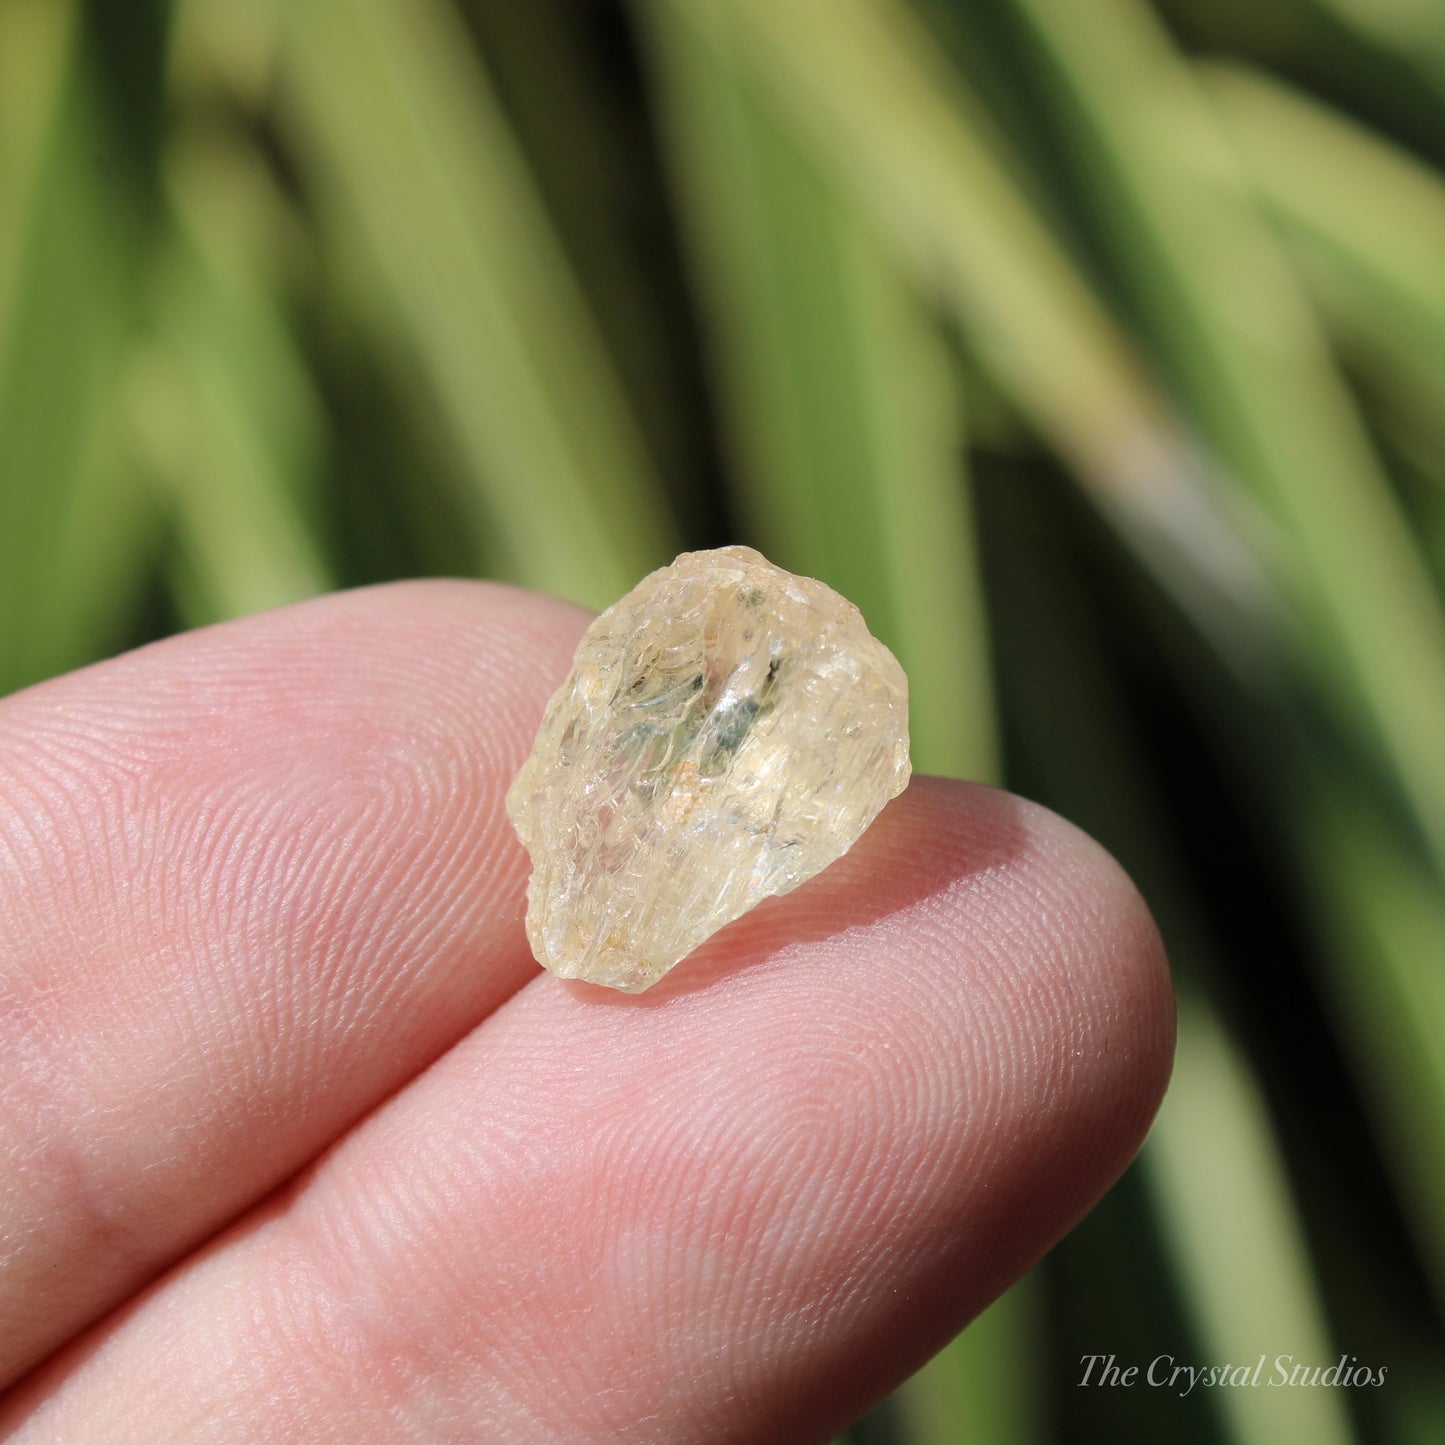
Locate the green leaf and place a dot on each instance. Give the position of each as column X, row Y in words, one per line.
column 408, row 152
column 843, row 414
column 1328, row 182
column 1250, row 363
column 76, row 527
column 221, row 402
column 865, row 93
column 1226, row 1208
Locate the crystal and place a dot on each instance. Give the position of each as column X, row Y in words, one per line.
column 726, row 731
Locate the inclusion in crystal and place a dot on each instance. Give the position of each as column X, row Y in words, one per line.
column 727, row 730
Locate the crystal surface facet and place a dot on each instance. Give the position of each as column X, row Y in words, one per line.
column 726, row 731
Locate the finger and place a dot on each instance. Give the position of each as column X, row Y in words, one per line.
column 251, row 880
column 739, row 1207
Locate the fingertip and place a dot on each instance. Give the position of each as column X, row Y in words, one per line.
column 1114, row 966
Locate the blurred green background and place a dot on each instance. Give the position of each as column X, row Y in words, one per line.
column 1096, row 348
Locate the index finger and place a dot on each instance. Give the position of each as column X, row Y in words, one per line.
column 738, row 1207
column 252, row 879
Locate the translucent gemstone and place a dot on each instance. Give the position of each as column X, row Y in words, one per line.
column 727, row 730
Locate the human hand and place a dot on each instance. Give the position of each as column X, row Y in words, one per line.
column 296, row 1144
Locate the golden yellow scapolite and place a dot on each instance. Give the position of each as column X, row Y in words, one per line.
column 726, row 731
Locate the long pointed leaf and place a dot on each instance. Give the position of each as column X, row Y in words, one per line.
column 407, row 147
column 1247, row 356
column 844, row 416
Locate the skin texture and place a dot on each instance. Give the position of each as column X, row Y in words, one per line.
column 297, row 1143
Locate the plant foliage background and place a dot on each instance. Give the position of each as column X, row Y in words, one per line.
column 1095, row 347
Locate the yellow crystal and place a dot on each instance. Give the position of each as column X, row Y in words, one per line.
column 727, row 730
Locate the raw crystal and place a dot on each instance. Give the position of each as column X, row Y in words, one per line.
column 727, row 730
